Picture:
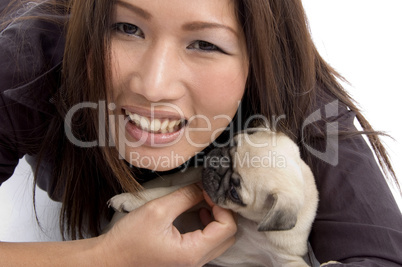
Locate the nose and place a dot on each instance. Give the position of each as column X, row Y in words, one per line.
column 159, row 75
column 219, row 159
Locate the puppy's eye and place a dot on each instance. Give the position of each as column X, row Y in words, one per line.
column 233, row 194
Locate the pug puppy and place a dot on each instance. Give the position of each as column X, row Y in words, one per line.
column 262, row 178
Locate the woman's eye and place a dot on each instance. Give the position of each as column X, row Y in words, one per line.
column 128, row 29
column 205, row 46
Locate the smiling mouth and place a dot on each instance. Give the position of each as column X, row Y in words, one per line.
column 156, row 126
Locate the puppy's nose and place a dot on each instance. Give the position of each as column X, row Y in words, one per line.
column 219, row 159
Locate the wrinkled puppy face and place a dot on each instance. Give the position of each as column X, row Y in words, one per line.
column 219, row 180
column 259, row 177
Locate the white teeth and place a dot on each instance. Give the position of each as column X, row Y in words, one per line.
column 164, row 126
column 171, row 126
column 153, row 125
column 144, row 123
column 135, row 118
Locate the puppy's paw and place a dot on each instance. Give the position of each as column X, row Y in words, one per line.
column 329, row 263
column 125, row 202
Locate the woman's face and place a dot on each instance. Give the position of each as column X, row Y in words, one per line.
column 179, row 69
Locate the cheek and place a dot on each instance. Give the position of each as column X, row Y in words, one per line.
column 121, row 66
column 117, row 63
column 216, row 98
column 219, row 90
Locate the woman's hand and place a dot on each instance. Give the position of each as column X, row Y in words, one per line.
column 147, row 237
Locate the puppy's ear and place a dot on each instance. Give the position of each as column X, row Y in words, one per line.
column 279, row 217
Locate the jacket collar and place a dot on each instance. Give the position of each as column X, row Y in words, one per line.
column 37, row 94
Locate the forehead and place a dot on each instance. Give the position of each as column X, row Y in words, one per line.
column 176, row 10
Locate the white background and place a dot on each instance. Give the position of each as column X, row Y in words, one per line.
column 361, row 39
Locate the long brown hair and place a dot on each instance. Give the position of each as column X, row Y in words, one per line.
column 89, row 176
column 287, row 77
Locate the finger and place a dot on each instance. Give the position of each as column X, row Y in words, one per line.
column 220, row 232
column 216, row 237
column 224, row 224
column 215, row 233
column 179, row 201
column 205, row 216
column 208, row 199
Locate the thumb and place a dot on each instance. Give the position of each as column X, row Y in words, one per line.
column 180, row 200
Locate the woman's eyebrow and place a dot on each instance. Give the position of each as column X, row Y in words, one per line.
column 192, row 26
column 200, row 25
column 139, row 11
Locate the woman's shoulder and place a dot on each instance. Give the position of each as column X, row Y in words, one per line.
column 355, row 199
column 31, row 52
column 31, row 43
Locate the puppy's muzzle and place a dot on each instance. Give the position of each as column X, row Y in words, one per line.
column 217, row 172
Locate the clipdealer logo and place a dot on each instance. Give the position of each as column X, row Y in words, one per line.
column 330, row 155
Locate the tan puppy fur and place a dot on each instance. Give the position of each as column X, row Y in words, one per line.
column 263, row 179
